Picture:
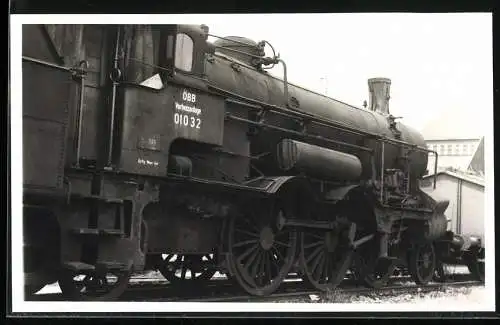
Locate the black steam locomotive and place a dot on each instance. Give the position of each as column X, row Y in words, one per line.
column 148, row 147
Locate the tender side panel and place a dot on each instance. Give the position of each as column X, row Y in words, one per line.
column 45, row 123
column 37, row 44
column 76, row 43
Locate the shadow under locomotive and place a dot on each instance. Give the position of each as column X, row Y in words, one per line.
column 147, row 147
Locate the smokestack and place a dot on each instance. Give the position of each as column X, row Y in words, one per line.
column 380, row 89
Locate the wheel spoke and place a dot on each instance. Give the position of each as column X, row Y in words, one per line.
column 317, row 243
column 262, row 267
column 316, row 260
column 252, row 258
column 329, row 268
column 320, row 237
column 255, row 266
column 318, row 266
column 275, row 262
column 247, row 253
column 268, row 266
column 175, row 267
column 278, row 253
column 251, row 234
column 246, row 242
column 282, row 243
column 313, row 254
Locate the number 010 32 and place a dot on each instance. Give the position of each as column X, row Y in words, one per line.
column 186, row 120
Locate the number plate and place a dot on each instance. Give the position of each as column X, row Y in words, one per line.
column 197, row 116
column 187, row 112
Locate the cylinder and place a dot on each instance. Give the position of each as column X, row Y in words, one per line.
column 317, row 161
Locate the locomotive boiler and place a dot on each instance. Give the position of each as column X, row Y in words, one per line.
column 152, row 148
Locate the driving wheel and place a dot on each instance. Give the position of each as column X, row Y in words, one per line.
column 323, row 259
column 260, row 254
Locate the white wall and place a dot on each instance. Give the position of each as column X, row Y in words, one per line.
column 472, row 203
column 472, row 209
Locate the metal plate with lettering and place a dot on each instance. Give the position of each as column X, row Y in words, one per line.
column 197, row 116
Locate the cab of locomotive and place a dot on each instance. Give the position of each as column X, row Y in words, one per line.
column 164, row 102
column 182, row 50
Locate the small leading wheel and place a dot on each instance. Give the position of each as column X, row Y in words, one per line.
column 422, row 263
column 92, row 285
column 188, row 268
column 323, row 259
column 260, row 254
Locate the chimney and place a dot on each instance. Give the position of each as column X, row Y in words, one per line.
column 379, row 94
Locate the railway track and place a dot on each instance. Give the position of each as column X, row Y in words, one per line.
column 303, row 295
column 223, row 290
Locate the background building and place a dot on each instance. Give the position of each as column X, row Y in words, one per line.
column 455, row 138
column 453, row 153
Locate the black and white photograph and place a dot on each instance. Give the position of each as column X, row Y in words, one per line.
column 252, row 163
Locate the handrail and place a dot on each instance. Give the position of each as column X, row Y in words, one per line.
column 42, row 62
column 114, row 76
column 315, row 137
column 256, row 104
column 320, row 121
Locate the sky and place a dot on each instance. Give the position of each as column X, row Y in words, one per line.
column 440, row 64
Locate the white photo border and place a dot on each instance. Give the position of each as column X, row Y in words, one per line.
column 21, row 306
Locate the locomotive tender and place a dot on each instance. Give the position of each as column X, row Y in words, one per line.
column 147, row 147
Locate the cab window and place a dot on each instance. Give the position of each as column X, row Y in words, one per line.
column 184, row 52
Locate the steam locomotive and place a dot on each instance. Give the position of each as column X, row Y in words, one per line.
column 146, row 147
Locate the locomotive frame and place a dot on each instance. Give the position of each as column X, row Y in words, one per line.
column 161, row 190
